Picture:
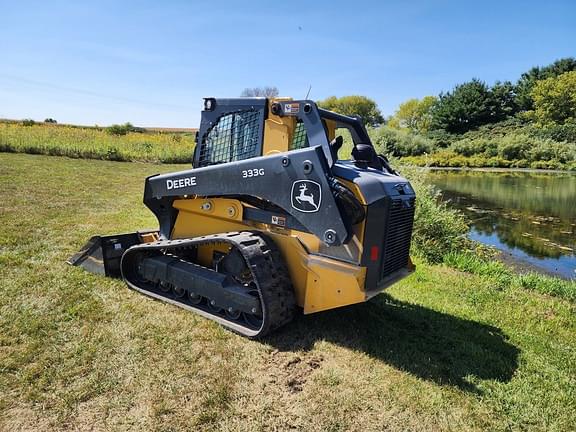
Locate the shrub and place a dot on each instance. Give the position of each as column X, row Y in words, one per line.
column 354, row 105
column 520, row 163
column 565, row 132
column 400, row 143
column 514, row 147
column 466, row 147
column 469, row 147
column 28, row 122
column 551, row 165
column 120, row 129
column 498, row 162
column 413, row 145
column 440, row 138
column 548, row 285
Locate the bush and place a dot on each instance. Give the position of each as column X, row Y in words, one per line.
column 550, row 165
column 469, row 147
column 565, row 132
column 400, row 143
column 548, row 285
column 120, row 129
column 441, row 138
column 514, row 147
column 28, row 122
column 354, row 105
column 547, row 150
column 520, row 163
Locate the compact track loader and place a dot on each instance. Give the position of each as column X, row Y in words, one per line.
column 267, row 220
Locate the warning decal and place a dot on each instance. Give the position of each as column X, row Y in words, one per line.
column 291, row 108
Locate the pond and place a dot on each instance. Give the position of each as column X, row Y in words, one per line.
column 529, row 215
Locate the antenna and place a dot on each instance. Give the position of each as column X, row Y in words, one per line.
column 308, row 94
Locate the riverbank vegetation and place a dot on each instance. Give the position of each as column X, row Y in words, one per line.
column 530, row 124
column 527, row 124
column 508, row 144
column 453, row 347
column 505, row 278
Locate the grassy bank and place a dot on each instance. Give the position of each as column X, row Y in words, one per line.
column 445, row 349
column 94, row 143
column 504, row 277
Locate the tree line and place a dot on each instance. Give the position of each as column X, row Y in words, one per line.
column 543, row 95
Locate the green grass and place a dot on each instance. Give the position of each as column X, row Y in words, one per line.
column 444, row 350
column 497, row 272
column 94, row 143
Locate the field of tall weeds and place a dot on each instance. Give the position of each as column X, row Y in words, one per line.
column 96, row 143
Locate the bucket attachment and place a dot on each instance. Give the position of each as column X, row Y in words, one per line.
column 102, row 254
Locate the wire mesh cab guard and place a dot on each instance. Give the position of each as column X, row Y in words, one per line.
column 231, row 130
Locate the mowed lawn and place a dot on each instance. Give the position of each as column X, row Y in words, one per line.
column 443, row 350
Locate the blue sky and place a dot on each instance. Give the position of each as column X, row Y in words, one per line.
column 151, row 62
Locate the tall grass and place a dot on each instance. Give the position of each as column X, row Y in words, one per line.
column 93, row 143
column 438, row 229
column 503, row 277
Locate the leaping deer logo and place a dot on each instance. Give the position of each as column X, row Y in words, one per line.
column 309, row 196
column 306, row 198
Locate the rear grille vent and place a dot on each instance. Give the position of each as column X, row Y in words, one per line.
column 398, row 234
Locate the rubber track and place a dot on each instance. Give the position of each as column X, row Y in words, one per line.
column 264, row 260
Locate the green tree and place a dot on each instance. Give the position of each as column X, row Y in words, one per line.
column 468, row 106
column 555, row 100
column 529, row 79
column 504, row 99
column 414, row 114
column 354, row 106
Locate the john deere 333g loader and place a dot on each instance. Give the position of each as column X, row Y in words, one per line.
column 267, row 220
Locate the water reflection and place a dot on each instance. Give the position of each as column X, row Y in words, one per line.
column 531, row 215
